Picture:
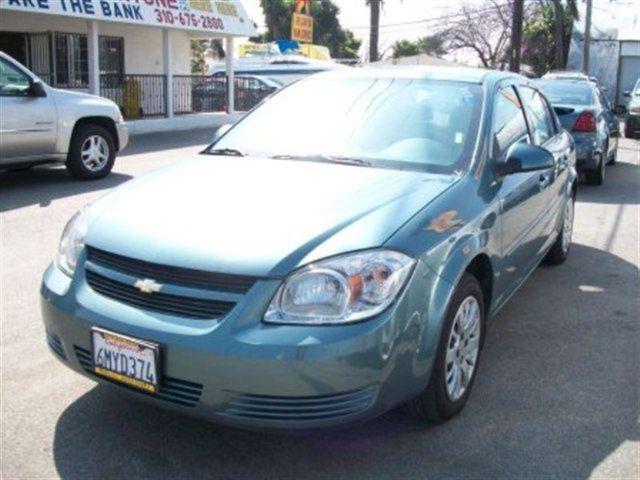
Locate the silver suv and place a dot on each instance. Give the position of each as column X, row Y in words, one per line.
column 40, row 124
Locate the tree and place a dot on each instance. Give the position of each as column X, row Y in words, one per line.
column 374, row 29
column 540, row 38
column 561, row 37
column 433, row 45
column 404, row 48
column 484, row 30
column 327, row 30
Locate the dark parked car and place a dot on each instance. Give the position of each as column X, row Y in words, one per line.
column 210, row 95
column 632, row 117
column 337, row 252
column 580, row 110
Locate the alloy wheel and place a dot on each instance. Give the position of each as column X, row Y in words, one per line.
column 95, row 153
column 463, row 348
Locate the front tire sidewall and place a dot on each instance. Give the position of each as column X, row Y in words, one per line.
column 438, row 406
column 74, row 161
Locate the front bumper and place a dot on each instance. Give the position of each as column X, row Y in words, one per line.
column 123, row 135
column 632, row 121
column 242, row 372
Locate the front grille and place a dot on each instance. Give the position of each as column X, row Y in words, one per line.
column 170, row 274
column 160, row 302
column 173, row 390
column 56, row 345
column 323, row 407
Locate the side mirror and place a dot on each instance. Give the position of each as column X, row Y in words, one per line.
column 221, row 131
column 627, row 94
column 37, row 89
column 524, row 157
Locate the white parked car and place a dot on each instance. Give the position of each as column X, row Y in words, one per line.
column 41, row 124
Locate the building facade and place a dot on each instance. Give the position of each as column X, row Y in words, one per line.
column 135, row 52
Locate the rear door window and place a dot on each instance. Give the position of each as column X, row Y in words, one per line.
column 508, row 125
column 540, row 121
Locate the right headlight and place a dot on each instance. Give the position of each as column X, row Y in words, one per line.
column 341, row 290
column 72, row 243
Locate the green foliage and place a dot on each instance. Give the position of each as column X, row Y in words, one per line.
column 327, row 30
column 433, row 45
column 538, row 43
column 404, row 48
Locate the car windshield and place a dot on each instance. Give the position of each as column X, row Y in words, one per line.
column 387, row 122
column 568, row 93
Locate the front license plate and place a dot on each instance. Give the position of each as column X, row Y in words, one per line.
column 126, row 360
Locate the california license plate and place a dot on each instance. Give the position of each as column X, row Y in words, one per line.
column 125, row 360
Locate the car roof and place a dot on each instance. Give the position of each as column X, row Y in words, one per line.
column 455, row 74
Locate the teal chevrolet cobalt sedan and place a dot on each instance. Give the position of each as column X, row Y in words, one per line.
column 336, row 253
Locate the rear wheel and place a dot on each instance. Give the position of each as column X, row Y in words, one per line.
column 613, row 157
column 456, row 361
column 629, row 131
column 596, row 177
column 92, row 153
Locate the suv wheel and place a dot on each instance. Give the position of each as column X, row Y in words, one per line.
column 596, row 177
column 456, row 362
column 92, row 153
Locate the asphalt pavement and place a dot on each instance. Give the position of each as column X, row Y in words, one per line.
column 557, row 394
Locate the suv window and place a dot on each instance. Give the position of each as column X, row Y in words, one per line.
column 13, row 82
column 540, row 121
column 508, row 125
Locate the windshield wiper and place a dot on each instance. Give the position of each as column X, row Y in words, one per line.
column 324, row 158
column 230, row 152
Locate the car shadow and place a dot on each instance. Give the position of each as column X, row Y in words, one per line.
column 621, row 185
column 41, row 185
column 556, row 395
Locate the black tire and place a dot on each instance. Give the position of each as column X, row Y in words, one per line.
column 557, row 254
column 76, row 166
column 628, row 131
column 596, row 177
column 433, row 404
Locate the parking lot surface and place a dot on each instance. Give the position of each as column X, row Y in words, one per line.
column 557, row 394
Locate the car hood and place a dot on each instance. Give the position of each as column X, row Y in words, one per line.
column 81, row 99
column 257, row 216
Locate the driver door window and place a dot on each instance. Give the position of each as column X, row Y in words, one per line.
column 540, row 121
column 13, row 82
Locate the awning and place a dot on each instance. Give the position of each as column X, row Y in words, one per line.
column 215, row 17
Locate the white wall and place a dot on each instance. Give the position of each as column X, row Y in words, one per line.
column 142, row 45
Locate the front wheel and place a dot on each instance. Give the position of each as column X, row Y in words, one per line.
column 456, row 361
column 92, row 153
column 560, row 249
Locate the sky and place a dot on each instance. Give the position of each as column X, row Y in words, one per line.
column 354, row 15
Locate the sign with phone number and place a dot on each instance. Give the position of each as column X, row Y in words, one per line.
column 213, row 16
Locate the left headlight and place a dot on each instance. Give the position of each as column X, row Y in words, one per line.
column 342, row 289
column 71, row 243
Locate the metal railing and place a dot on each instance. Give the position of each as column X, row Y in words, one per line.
column 138, row 96
column 143, row 96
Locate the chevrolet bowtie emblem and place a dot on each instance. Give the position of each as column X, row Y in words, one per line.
column 147, row 285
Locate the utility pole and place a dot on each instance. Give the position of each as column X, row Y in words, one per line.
column 374, row 28
column 587, row 38
column 516, row 35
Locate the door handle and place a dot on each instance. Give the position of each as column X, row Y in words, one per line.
column 543, row 180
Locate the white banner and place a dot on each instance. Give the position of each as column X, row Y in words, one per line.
column 210, row 16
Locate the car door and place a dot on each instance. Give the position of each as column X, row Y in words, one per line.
column 544, row 133
column 522, row 195
column 28, row 123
